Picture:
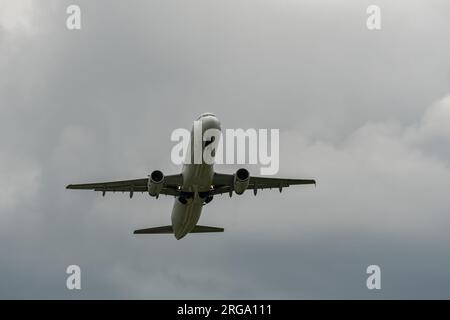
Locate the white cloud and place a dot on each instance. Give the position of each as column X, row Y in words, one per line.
column 381, row 177
column 17, row 15
column 436, row 121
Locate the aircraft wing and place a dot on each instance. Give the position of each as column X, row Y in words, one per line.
column 170, row 187
column 223, row 183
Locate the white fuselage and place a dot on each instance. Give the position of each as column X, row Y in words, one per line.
column 197, row 178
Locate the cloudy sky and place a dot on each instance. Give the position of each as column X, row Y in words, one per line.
column 366, row 113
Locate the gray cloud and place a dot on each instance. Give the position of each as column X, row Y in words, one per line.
column 366, row 113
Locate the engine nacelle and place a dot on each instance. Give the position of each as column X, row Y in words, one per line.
column 241, row 180
column 155, row 183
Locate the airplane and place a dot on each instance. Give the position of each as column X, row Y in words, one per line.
column 193, row 188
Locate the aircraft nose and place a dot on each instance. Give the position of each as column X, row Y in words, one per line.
column 206, row 114
column 210, row 122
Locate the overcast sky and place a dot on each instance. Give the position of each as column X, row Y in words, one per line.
column 366, row 113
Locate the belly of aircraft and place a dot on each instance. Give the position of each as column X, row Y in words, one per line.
column 196, row 178
column 185, row 216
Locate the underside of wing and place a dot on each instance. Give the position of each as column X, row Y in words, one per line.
column 263, row 183
column 170, row 186
column 224, row 183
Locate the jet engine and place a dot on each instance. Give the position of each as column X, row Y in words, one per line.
column 241, row 180
column 155, row 183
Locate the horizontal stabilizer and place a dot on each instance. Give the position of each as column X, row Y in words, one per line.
column 169, row 229
column 199, row 229
column 156, row 230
